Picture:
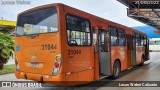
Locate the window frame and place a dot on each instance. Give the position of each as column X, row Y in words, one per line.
column 87, row 32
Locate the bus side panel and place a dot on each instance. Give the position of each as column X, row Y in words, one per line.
column 139, row 53
column 119, row 53
column 77, row 64
column 78, row 60
column 79, row 78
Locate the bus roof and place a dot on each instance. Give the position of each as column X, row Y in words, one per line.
column 99, row 19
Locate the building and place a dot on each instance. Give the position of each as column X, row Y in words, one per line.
column 7, row 27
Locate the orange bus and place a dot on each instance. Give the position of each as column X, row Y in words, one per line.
column 59, row 44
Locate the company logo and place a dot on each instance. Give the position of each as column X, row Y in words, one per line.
column 17, row 48
column 6, row 84
column 33, row 56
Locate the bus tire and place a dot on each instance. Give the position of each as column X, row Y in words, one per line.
column 116, row 70
column 142, row 62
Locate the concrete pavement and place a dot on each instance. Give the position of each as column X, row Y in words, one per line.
column 149, row 72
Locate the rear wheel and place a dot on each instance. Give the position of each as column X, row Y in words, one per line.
column 116, row 70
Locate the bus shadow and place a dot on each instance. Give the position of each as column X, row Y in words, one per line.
column 101, row 83
column 104, row 82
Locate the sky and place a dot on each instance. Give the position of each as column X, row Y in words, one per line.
column 107, row 9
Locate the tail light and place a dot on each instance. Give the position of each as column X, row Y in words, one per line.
column 57, row 64
column 17, row 66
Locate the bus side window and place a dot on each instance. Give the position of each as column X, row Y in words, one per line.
column 78, row 31
column 104, row 41
column 114, row 38
column 138, row 40
column 145, row 41
column 121, row 37
column 142, row 43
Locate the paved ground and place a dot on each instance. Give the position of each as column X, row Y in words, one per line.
column 149, row 72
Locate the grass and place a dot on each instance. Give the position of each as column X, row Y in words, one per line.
column 7, row 69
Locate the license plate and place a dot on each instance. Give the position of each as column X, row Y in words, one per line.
column 34, row 64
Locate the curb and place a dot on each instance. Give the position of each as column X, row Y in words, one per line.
column 154, row 50
column 6, row 73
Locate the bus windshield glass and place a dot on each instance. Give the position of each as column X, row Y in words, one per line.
column 39, row 21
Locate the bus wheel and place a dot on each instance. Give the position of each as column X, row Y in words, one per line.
column 142, row 62
column 116, row 70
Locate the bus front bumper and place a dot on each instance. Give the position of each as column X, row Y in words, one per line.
column 57, row 80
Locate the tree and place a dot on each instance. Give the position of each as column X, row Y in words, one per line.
column 6, row 48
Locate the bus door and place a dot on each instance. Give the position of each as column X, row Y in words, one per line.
column 129, row 47
column 147, row 49
column 133, row 56
column 104, row 53
column 96, row 57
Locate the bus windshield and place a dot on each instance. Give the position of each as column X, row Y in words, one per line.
column 39, row 21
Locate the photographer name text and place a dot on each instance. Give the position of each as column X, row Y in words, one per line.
column 138, row 84
column 15, row 2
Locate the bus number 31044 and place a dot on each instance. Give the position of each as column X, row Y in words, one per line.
column 74, row 52
column 49, row 46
